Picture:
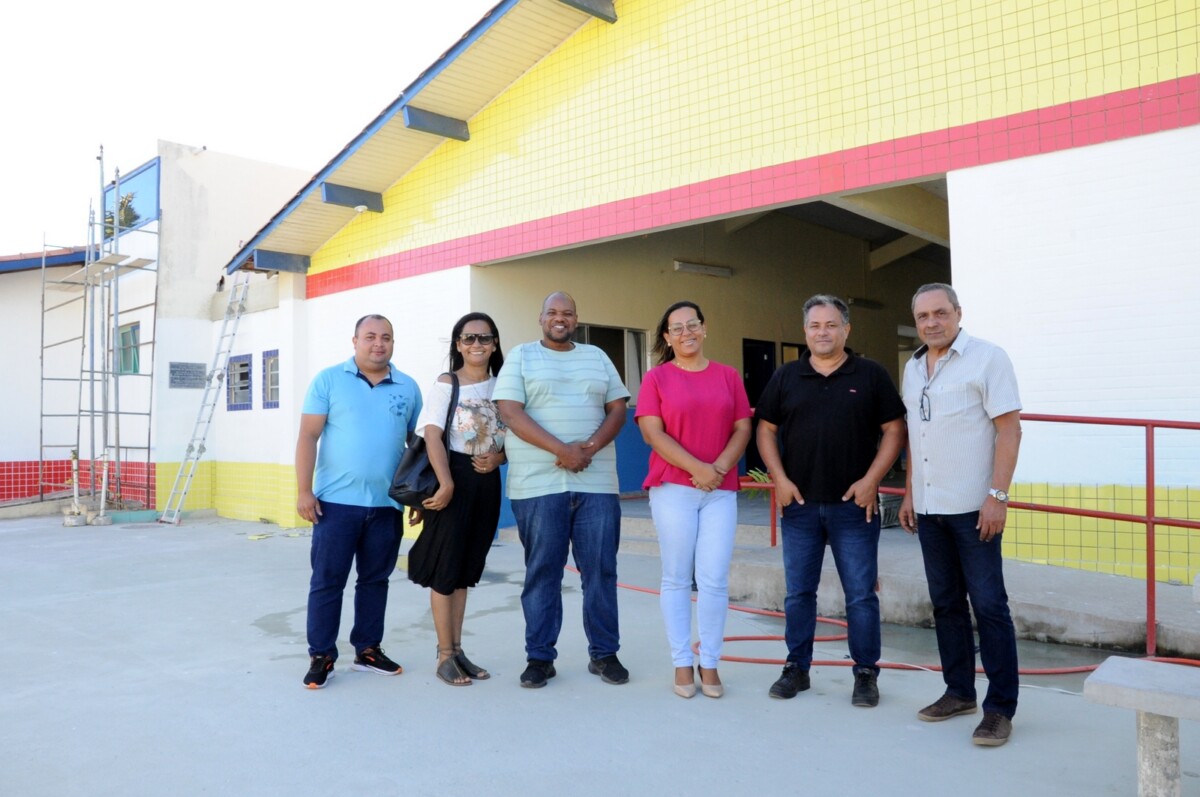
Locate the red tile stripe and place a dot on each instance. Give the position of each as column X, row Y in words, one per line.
column 1110, row 117
column 19, row 479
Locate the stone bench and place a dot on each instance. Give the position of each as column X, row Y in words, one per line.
column 1161, row 694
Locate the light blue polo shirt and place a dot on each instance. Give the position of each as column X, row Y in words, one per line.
column 365, row 431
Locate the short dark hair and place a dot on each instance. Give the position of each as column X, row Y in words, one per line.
column 827, row 300
column 370, row 317
column 456, row 358
column 662, row 351
column 930, row 287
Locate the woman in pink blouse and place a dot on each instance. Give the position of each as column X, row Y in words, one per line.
column 694, row 414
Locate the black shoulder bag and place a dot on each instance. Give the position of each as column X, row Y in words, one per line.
column 415, row 480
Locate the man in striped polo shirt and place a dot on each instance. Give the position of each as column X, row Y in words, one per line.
column 564, row 404
column 964, row 431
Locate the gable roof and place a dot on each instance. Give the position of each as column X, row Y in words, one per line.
column 499, row 49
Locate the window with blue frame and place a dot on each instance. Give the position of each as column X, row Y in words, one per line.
column 138, row 203
column 270, row 379
column 237, row 383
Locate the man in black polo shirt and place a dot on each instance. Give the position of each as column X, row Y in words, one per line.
column 830, row 425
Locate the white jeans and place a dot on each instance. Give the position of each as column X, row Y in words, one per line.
column 695, row 532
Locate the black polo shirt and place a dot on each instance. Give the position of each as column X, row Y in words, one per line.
column 829, row 426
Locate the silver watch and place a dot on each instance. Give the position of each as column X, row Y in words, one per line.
column 999, row 495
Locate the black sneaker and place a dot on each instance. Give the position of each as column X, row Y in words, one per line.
column 866, row 690
column 537, row 672
column 793, row 681
column 374, row 660
column 610, row 670
column 320, row 669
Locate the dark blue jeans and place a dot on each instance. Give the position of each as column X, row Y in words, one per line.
column 855, row 544
column 590, row 524
column 369, row 538
column 959, row 566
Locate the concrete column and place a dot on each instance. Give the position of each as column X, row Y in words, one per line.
column 1158, row 755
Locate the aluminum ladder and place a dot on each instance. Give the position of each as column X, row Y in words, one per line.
column 214, row 382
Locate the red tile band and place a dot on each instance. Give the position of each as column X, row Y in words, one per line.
column 1110, row 117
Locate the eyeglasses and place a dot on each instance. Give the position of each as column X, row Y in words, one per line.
column 926, row 405
column 471, row 338
column 693, row 325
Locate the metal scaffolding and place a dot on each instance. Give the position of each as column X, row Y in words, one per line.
column 97, row 378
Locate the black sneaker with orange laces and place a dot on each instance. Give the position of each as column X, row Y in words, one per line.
column 374, row 660
column 320, row 669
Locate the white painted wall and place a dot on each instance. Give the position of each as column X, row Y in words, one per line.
column 1085, row 266
column 211, row 203
column 20, row 324
column 315, row 334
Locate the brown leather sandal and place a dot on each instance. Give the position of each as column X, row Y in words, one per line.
column 450, row 672
column 466, row 665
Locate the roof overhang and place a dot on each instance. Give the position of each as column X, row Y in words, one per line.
column 499, row 49
column 74, row 256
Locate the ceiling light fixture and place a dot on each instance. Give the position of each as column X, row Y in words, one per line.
column 725, row 272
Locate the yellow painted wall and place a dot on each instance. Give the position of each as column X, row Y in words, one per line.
column 777, row 263
column 200, row 493
column 1106, row 546
column 679, row 91
column 243, row 491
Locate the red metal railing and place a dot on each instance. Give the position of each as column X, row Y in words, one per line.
column 1150, row 519
column 748, row 483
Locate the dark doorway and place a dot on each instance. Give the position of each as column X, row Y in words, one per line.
column 758, row 363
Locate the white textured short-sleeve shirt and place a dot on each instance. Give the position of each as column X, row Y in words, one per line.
column 475, row 427
column 952, row 453
column 565, row 393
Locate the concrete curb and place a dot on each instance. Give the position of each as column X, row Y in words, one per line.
column 1049, row 604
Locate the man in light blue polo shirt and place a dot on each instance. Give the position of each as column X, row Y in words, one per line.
column 361, row 411
column 564, row 404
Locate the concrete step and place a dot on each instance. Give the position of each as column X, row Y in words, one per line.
column 1048, row 603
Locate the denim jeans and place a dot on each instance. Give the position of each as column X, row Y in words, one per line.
column 695, row 534
column 855, row 544
column 368, row 537
column 959, row 566
column 590, row 524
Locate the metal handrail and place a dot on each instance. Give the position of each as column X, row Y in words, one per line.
column 1149, row 518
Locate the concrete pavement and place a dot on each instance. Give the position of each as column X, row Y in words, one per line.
column 144, row 659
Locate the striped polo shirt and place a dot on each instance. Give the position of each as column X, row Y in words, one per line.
column 951, row 454
column 565, row 393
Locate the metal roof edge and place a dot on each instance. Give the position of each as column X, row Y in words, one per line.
column 462, row 45
column 72, row 257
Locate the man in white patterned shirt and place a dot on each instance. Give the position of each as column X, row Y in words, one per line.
column 964, row 432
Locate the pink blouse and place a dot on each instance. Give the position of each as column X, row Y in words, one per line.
column 698, row 409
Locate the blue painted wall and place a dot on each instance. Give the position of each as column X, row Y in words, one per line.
column 633, row 457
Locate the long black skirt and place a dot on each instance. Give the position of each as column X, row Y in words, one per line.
column 453, row 546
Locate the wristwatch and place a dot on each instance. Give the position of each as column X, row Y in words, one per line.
column 999, row 495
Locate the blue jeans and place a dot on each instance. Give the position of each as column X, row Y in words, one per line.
column 369, row 538
column 855, row 544
column 695, row 534
column 959, row 566
column 590, row 524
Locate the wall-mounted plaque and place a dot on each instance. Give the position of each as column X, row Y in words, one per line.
column 188, row 375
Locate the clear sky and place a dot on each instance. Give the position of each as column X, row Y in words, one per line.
column 289, row 83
